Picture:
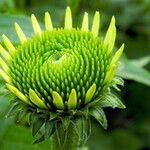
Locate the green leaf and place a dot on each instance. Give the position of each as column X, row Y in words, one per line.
column 99, row 115
column 7, row 26
column 130, row 70
column 111, row 100
column 143, row 61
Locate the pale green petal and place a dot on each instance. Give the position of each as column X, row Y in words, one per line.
column 117, row 55
column 8, row 44
column 3, row 64
column 4, row 53
column 85, row 23
column 96, row 23
column 110, row 36
column 57, row 100
column 20, row 95
column 68, row 19
column 90, row 93
column 36, row 100
column 72, row 101
column 35, row 24
column 20, row 33
column 110, row 74
column 5, row 76
column 48, row 22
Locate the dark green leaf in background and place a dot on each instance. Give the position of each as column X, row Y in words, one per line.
column 133, row 70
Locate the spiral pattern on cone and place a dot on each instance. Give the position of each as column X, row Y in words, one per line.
column 63, row 68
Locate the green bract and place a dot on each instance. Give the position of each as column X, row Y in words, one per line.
column 63, row 70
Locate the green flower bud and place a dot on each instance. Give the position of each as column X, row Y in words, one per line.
column 62, row 69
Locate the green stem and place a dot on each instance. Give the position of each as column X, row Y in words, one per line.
column 71, row 140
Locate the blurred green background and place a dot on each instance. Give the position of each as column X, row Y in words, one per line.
column 128, row 129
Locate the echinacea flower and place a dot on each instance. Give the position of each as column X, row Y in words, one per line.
column 62, row 73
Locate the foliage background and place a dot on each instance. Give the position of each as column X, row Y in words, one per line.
column 128, row 129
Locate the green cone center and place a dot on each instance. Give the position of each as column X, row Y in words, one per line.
column 60, row 60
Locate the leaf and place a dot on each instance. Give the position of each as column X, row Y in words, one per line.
column 111, row 100
column 143, row 61
column 132, row 71
column 7, row 26
column 99, row 115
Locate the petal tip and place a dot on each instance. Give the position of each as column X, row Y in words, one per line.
column 68, row 18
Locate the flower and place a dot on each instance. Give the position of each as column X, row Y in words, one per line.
column 63, row 70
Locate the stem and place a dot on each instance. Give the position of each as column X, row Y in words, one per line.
column 71, row 140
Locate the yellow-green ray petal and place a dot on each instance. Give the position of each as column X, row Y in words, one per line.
column 110, row 74
column 5, row 76
column 117, row 55
column 3, row 64
column 48, row 21
column 72, row 101
column 68, row 19
column 57, row 100
column 96, row 23
column 8, row 44
column 110, row 36
column 4, row 53
column 90, row 93
column 35, row 24
column 36, row 100
column 85, row 23
column 20, row 95
column 20, row 33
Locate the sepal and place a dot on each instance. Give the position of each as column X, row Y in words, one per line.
column 13, row 109
column 17, row 109
column 39, row 140
column 65, row 122
column 111, row 100
column 36, row 124
column 99, row 115
column 49, row 129
column 117, row 81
